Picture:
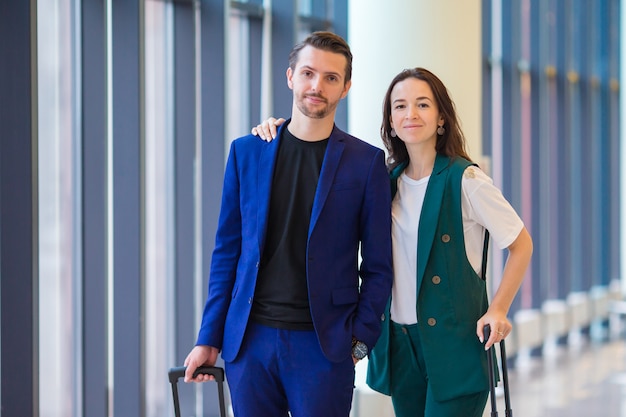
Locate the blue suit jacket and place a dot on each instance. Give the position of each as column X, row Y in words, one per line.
column 351, row 211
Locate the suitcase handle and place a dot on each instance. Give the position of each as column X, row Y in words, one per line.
column 179, row 372
column 508, row 412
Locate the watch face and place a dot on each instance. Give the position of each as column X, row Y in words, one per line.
column 359, row 350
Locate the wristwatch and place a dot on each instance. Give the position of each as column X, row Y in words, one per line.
column 359, row 349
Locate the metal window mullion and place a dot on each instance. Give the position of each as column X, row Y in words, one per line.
column 126, row 227
column 19, row 343
column 93, row 194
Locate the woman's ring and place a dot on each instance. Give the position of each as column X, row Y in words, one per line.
column 500, row 333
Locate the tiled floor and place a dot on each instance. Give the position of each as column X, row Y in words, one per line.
column 585, row 381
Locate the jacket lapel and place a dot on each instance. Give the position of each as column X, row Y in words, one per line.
column 265, row 175
column 429, row 218
column 334, row 150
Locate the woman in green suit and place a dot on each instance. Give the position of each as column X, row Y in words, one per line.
column 430, row 357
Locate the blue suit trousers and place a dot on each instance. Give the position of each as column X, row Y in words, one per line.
column 279, row 371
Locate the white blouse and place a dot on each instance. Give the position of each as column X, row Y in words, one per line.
column 482, row 206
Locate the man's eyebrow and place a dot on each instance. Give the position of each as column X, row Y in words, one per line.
column 307, row 67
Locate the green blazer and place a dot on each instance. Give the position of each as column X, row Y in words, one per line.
column 451, row 296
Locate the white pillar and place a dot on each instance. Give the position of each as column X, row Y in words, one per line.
column 443, row 36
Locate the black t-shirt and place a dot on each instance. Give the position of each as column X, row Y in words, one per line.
column 281, row 297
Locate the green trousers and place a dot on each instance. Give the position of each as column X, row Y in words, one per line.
column 411, row 394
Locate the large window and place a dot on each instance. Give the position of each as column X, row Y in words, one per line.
column 159, row 233
column 551, row 86
column 59, row 209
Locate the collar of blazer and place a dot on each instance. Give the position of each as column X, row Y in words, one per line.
column 332, row 158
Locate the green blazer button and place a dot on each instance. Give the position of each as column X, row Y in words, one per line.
column 445, row 238
column 432, row 321
column 436, row 279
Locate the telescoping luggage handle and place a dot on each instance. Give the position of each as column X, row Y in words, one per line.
column 508, row 412
column 216, row 372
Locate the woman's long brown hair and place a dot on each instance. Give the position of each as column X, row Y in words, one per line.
column 451, row 143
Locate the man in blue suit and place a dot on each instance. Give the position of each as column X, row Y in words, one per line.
column 291, row 307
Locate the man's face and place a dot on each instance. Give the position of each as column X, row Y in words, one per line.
column 318, row 82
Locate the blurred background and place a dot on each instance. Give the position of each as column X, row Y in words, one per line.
column 115, row 120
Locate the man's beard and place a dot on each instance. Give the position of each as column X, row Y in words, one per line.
column 315, row 114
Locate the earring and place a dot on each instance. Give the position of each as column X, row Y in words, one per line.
column 441, row 130
column 393, row 132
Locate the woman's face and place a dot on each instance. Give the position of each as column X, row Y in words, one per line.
column 414, row 112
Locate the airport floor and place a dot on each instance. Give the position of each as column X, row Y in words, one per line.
column 585, row 380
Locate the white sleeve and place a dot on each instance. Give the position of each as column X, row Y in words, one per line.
column 484, row 206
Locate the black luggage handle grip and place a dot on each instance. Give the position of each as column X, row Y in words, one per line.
column 179, row 372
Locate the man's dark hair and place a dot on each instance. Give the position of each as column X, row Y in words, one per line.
column 326, row 41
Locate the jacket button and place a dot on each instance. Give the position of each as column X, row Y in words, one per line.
column 436, row 279
column 445, row 238
column 250, row 300
column 432, row 321
column 382, row 317
column 258, row 264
